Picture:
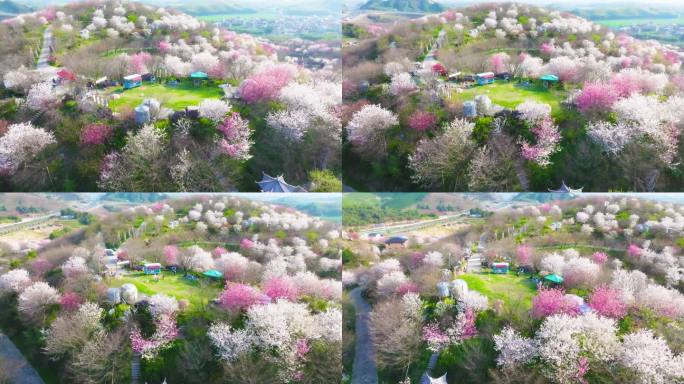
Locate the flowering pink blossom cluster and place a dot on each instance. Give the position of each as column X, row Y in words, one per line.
column 170, row 255
column 552, row 301
column 302, row 348
column 434, row 336
column 499, row 62
column 164, row 47
column 546, row 48
column 265, row 85
column 236, row 142
column 596, row 97
column 422, row 121
column 547, row 137
column 634, row 251
column 407, row 287
column 599, row 257
column 246, row 243
column 524, row 255
column 607, row 301
column 415, row 259
column 70, row 301
column 166, row 331
column 237, row 297
column 138, row 62
column 280, row 288
column 41, row 265
column 94, row 134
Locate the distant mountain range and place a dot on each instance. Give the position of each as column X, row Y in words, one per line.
column 201, row 7
column 427, row 6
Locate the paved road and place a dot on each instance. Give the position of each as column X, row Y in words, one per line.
column 17, row 368
column 407, row 227
column 364, row 370
column 425, row 379
column 474, row 263
column 430, row 58
column 45, row 52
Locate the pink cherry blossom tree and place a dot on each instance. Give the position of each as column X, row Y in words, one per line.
column 280, row 288
column 607, row 301
column 599, row 257
column 166, row 331
column 547, row 137
column 170, row 256
column 524, row 255
column 596, row 97
column 246, row 243
column 40, row 266
column 94, row 134
column 422, row 121
column 500, row 62
column 551, row 301
column 138, row 63
column 237, row 297
column 634, row 251
column 70, row 301
column 236, row 141
column 265, row 85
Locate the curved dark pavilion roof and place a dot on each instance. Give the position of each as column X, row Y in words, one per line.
column 277, row 184
column 565, row 189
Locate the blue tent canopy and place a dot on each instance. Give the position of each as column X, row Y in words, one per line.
column 198, row 75
column 549, row 78
column 213, row 274
column 554, row 278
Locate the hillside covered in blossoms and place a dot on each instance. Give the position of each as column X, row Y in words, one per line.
column 123, row 96
column 549, row 288
column 508, row 97
column 192, row 289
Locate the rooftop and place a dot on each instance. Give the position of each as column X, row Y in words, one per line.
column 277, row 184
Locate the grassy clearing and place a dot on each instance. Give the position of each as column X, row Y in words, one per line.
column 197, row 293
column 508, row 288
column 510, row 94
column 176, row 98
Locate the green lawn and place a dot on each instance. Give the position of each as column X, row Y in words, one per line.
column 510, row 94
column 197, row 293
column 509, row 288
column 176, row 98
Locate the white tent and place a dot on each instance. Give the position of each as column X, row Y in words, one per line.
column 437, row 380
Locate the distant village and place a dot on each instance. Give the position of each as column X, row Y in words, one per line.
column 285, row 25
column 666, row 33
